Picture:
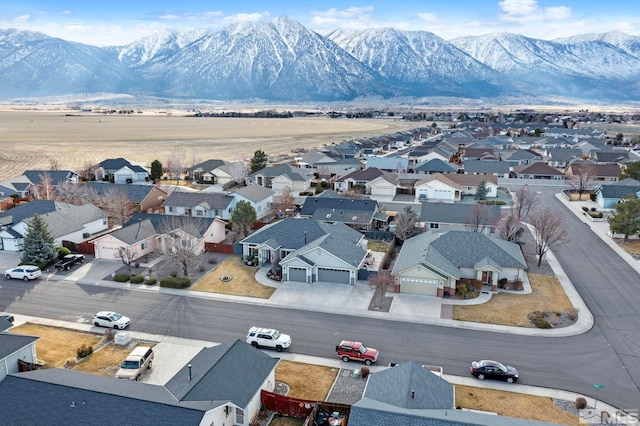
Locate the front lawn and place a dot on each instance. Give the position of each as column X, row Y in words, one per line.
column 512, row 309
column 242, row 283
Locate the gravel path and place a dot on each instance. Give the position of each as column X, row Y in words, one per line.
column 347, row 389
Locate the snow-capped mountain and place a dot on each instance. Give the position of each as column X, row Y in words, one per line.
column 282, row 60
column 421, row 60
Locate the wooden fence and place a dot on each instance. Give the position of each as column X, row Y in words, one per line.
column 292, row 407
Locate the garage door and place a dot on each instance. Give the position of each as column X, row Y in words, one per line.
column 333, row 275
column 442, row 194
column 416, row 286
column 298, row 274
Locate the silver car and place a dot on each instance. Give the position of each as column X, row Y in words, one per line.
column 23, row 272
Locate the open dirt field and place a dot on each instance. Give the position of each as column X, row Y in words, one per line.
column 35, row 139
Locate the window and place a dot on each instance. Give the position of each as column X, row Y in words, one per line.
column 239, row 416
column 199, row 212
column 144, row 246
column 170, row 209
column 434, row 226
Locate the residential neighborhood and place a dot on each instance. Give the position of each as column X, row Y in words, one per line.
column 419, row 227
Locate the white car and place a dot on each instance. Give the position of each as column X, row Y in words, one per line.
column 111, row 320
column 23, row 272
column 268, row 338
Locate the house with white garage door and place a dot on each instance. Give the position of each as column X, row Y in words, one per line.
column 437, row 187
column 309, row 250
column 433, row 263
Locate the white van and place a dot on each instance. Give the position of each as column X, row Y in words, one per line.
column 135, row 363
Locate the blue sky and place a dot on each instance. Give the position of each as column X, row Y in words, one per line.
column 117, row 22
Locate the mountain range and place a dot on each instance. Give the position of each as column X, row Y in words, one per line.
column 284, row 61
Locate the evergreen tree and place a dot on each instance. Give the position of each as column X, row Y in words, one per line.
column 626, row 220
column 259, row 161
column 39, row 246
column 482, row 190
column 631, row 171
column 156, row 170
column 243, row 217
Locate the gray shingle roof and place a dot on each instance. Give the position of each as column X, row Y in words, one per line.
column 135, row 232
column 290, row 233
column 136, row 193
column 452, row 250
column 339, row 210
column 70, row 218
column 435, row 165
column 28, row 210
column 113, row 164
column 206, row 166
column 11, row 343
column 230, row 371
column 486, row 166
column 208, row 200
column 368, row 412
column 409, row 385
column 57, row 176
column 458, row 213
column 618, row 191
column 66, row 397
column 255, row 192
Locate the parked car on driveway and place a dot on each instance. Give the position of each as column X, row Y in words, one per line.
column 488, row 369
column 269, row 338
column 111, row 320
column 23, row 272
column 68, row 261
column 348, row 350
column 7, row 316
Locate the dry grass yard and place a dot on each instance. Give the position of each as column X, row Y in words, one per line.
column 632, row 247
column 56, row 345
column 512, row 309
column 513, row 404
column 106, row 361
column 243, row 282
column 34, row 139
column 298, row 376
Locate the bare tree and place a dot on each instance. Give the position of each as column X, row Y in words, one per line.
column 510, row 228
column 87, row 172
column 548, row 230
column 77, row 194
column 182, row 241
column 582, row 176
column 44, row 190
column 285, row 206
column 239, row 171
column 405, row 224
column 53, row 164
column 477, row 219
column 127, row 255
column 380, row 283
column 117, row 204
column 523, row 203
column 176, row 163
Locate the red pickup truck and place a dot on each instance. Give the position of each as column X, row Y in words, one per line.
column 348, row 350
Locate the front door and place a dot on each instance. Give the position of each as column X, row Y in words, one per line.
column 487, row 277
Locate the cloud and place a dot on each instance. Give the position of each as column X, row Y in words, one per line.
column 530, row 11
column 351, row 17
column 427, row 17
column 22, row 19
column 246, row 17
column 201, row 17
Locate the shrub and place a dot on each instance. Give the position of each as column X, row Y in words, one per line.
column 70, row 363
column 592, row 196
column 151, row 281
column 364, row 372
column 517, row 285
column 174, row 274
column 122, row 278
column 461, row 290
column 585, row 208
column 581, row 403
column 593, row 209
column 502, row 282
column 84, row 351
column 137, row 264
column 213, row 260
column 109, row 335
column 137, row 279
column 63, row 251
column 173, row 282
column 477, row 285
column 538, row 320
column 600, row 215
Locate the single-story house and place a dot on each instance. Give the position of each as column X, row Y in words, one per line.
column 258, row 196
column 126, row 171
column 433, row 166
column 145, row 233
column 221, row 385
column 149, row 198
column 277, row 177
column 362, row 214
column 202, row 172
column 66, row 222
column 594, row 172
column 200, row 204
column 537, row 170
column 15, row 347
column 358, row 178
column 452, row 187
column 487, row 167
column 608, row 195
column 444, row 217
column 432, row 263
column 309, row 250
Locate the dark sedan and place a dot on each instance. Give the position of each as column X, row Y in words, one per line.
column 487, row 369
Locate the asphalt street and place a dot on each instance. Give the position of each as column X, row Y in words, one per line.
column 607, row 354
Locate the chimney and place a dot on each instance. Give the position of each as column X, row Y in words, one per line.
column 189, row 371
column 305, row 237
